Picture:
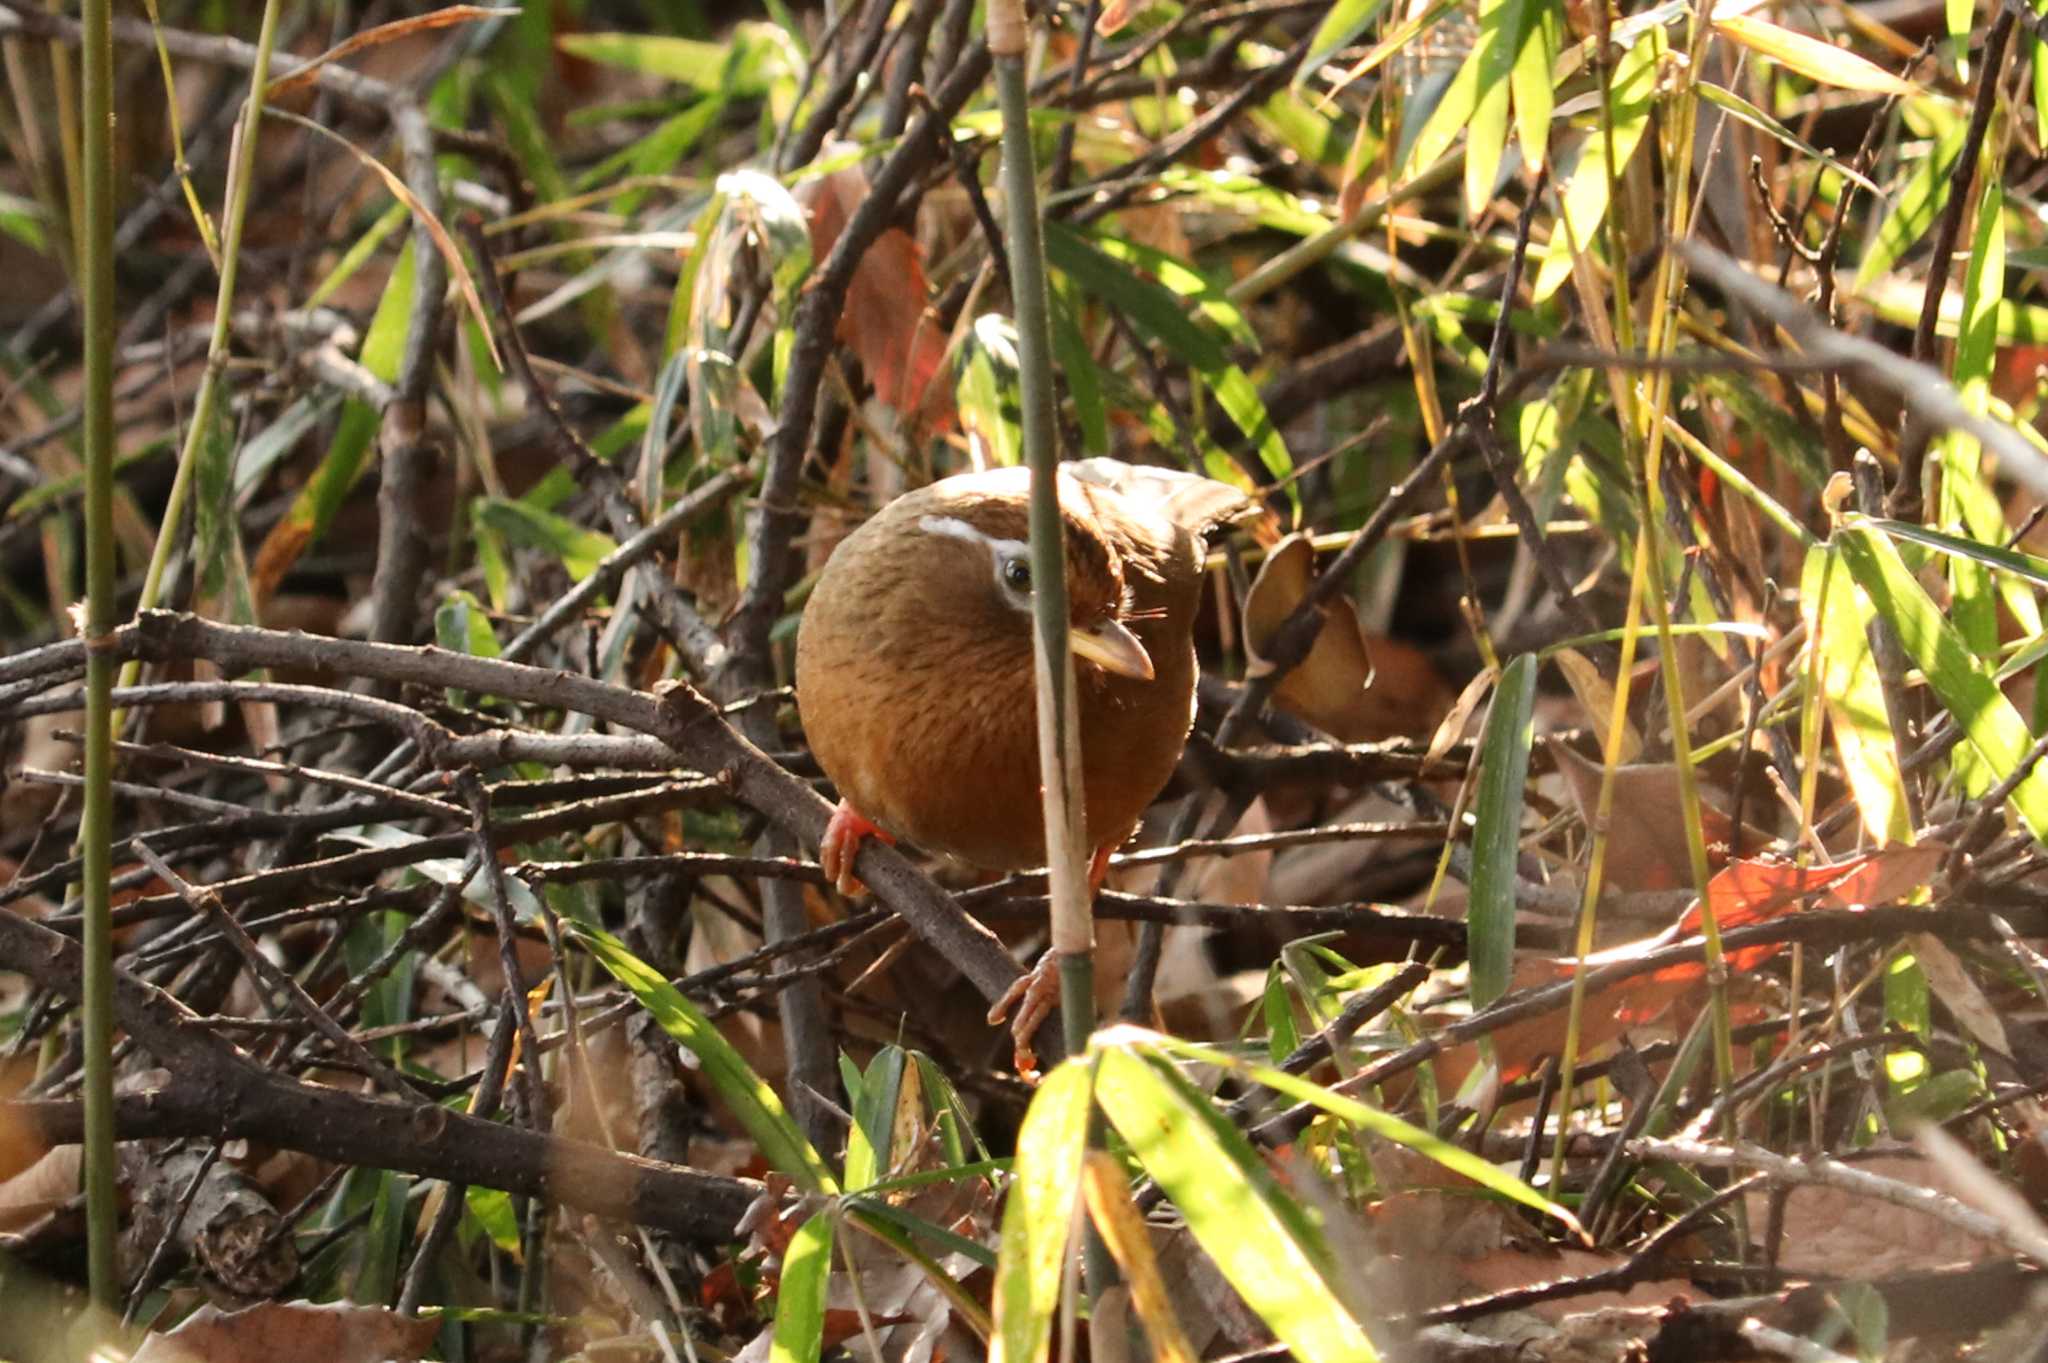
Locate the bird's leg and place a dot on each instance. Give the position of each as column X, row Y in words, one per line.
column 1098, row 869
column 1033, row 993
column 841, row 844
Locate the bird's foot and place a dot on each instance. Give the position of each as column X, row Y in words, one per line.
column 1034, row 992
column 1032, row 995
column 841, row 844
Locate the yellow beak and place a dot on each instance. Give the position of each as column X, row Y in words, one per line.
column 1112, row 648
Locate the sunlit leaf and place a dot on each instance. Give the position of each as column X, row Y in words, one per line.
column 1838, row 621
column 1745, row 112
column 1384, row 1125
column 1633, row 91
column 1914, row 208
column 1038, row 1218
column 799, row 1333
column 1343, row 23
column 744, row 64
column 1811, row 57
column 1253, row 1230
column 1542, row 29
column 1964, row 683
column 746, row 1095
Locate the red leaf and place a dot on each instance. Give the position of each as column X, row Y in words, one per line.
column 1756, row 891
column 887, row 320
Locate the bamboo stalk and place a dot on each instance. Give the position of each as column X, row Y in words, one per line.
column 95, row 235
column 1059, row 730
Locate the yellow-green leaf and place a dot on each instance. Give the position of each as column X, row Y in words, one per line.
column 1810, row 57
column 799, row 1335
column 1838, row 624
column 1038, row 1218
column 1632, row 92
column 1259, row 1240
column 1965, row 684
column 748, row 1096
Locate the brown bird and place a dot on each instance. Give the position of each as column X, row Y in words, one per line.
column 914, row 667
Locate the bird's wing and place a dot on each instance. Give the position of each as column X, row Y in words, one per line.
column 1196, row 504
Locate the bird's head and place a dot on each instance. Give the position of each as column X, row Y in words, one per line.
column 973, row 554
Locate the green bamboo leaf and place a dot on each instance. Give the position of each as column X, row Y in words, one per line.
column 1267, row 205
column 1486, row 141
column 1993, row 555
column 956, row 1125
column 1968, row 506
column 1382, row 1124
column 1632, row 92
column 1403, row 33
column 748, row 1097
column 1260, row 1240
column 1038, row 1217
column 358, row 254
column 1156, row 312
column 1451, row 116
column 1077, row 367
column 579, row 548
column 1964, row 683
column 799, row 1335
column 491, row 1208
column 873, row 1209
column 1745, row 112
column 987, row 392
column 461, row 625
column 1535, row 93
column 1810, row 56
column 313, row 510
column 1282, row 1035
column 869, row 1142
column 745, row 64
column 1340, row 27
column 1914, row 209
column 1838, row 619
column 1503, row 26
column 216, row 531
column 1497, row 830
column 1959, row 13
column 22, row 218
column 1187, row 283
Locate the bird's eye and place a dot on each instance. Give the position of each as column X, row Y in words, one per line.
column 1017, row 574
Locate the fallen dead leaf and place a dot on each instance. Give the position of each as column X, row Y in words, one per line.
column 1352, row 686
column 331, row 1332
column 888, row 321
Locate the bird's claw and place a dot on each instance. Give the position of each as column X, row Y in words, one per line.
column 1032, row 994
column 841, row 845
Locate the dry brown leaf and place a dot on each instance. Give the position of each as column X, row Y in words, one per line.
column 1596, row 694
column 331, row 1332
column 1355, row 688
column 1646, row 837
column 40, row 1188
column 1836, row 1231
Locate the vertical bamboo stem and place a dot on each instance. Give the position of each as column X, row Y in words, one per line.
column 96, row 293
column 1059, row 739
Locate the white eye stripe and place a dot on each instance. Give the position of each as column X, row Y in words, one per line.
column 958, row 529
column 1002, row 552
